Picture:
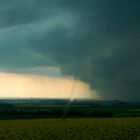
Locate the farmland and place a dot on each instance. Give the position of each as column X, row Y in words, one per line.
column 54, row 108
column 42, row 119
column 71, row 129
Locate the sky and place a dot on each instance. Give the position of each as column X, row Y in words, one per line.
column 93, row 44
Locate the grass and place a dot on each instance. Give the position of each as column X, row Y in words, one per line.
column 71, row 129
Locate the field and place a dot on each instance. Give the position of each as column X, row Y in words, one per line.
column 71, row 129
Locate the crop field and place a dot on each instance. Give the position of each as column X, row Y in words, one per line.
column 71, row 129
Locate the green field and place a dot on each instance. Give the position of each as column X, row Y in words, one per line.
column 71, row 129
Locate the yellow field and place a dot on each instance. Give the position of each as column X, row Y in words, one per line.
column 71, row 129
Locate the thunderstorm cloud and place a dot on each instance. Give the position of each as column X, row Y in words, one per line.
column 96, row 41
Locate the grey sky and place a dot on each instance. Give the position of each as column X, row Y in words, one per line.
column 100, row 37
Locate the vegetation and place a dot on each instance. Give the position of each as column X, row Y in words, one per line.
column 71, row 129
column 53, row 108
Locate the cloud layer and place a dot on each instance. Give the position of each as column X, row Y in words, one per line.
column 96, row 41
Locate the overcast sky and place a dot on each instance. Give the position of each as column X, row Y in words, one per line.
column 95, row 41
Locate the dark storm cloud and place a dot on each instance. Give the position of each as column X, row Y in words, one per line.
column 96, row 41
